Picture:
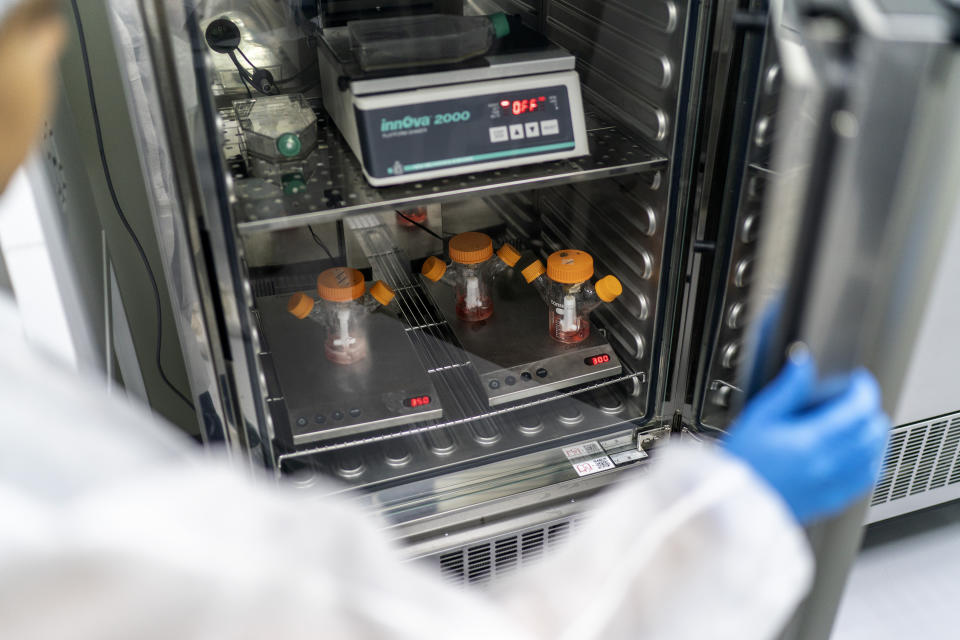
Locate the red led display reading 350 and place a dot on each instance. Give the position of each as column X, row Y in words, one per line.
column 419, row 401
column 593, row 361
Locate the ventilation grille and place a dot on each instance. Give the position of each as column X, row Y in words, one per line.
column 481, row 563
column 921, row 457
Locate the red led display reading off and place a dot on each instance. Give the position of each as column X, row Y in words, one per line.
column 527, row 105
column 593, row 361
column 418, row 401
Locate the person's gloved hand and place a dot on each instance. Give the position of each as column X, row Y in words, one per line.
column 819, row 456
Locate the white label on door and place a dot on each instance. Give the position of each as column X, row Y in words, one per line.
column 582, row 450
column 631, row 455
column 596, row 465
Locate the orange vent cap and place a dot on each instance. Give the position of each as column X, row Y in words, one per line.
column 300, row 305
column 533, row 271
column 570, row 266
column 471, row 247
column 341, row 284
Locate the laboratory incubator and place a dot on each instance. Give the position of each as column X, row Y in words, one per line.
column 468, row 262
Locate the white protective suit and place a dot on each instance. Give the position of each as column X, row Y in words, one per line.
column 112, row 526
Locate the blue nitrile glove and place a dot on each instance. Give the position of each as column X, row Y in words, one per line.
column 819, row 456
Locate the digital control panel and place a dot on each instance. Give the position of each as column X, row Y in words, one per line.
column 492, row 129
column 418, row 401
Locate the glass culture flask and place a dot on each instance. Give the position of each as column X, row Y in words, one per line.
column 472, row 269
column 343, row 308
column 566, row 288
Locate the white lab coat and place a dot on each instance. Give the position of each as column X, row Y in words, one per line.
column 113, row 526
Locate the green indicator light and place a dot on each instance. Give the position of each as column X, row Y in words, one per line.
column 293, row 184
column 289, row 145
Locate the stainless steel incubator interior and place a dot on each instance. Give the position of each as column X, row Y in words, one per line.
column 644, row 133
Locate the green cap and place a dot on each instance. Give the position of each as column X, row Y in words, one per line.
column 501, row 24
column 289, row 145
column 293, row 183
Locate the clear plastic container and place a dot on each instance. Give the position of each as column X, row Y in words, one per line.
column 472, row 269
column 432, row 39
column 343, row 309
column 278, row 128
column 279, row 133
column 566, row 288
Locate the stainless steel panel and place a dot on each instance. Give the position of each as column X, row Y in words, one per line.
column 863, row 202
column 467, row 444
column 486, row 561
column 921, row 468
column 718, row 386
column 337, row 52
column 513, row 351
column 930, row 379
column 325, row 400
column 630, row 58
column 337, row 187
column 614, row 220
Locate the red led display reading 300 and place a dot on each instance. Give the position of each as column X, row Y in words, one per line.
column 593, row 361
column 419, row 401
column 527, row 105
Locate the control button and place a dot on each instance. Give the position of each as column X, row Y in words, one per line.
column 494, row 384
column 541, row 372
column 499, row 134
column 550, row 127
column 526, row 375
column 532, row 129
column 302, row 422
column 338, row 415
column 320, row 418
column 355, row 413
column 516, row 132
column 510, row 380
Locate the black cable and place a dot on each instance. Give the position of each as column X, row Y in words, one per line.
column 425, row 228
column 116, row 203
column 245, row 78
column 299, row 73
column 283, row 80
column 240, row 51
column 320, row 242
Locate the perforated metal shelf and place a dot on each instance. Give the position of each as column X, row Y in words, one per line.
column 337, row 187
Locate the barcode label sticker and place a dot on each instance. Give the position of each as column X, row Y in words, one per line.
column 614, row 444
column 631, row 455
column 595, row 465
column 582, row 450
